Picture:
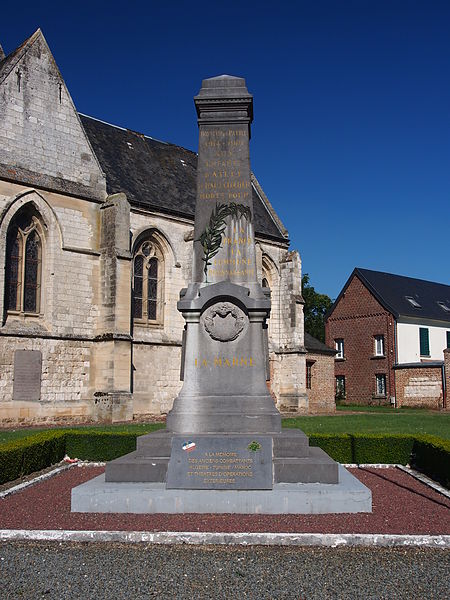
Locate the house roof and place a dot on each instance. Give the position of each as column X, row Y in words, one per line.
column 313, row 345
column 405, row 297
column 161, row 176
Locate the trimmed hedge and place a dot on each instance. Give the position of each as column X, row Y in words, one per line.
column 431, row 455
column 428, row 454
column 31, row 454
column 99, row 445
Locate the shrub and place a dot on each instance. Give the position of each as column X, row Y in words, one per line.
column 99, row 445
column 337, row 445
column 30, row 454
column 431, row 455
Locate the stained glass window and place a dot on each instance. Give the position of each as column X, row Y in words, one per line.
column 148, row 285
column 23, row 264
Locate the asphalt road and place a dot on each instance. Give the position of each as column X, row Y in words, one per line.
column 118, row 571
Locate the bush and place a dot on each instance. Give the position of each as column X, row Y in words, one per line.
column 31, row 454
column 378, row 448
column 431, row 455
column 99, row 445
column 336, row 445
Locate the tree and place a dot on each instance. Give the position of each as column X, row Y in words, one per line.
column 316, row 305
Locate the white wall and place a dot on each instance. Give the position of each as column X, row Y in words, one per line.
column 408, row 342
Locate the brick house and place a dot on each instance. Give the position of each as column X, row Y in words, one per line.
column 390, row 333
column 96, row 236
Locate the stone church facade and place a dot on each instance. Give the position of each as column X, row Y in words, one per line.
column 96, row 235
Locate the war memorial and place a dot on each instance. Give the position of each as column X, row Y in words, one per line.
column 224, row 450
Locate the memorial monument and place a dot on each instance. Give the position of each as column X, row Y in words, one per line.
column 224, row 449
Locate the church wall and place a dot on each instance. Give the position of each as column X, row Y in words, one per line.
column 65, row 381
column 41, row 132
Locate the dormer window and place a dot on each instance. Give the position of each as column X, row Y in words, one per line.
column 444, row 306
column 413, row 302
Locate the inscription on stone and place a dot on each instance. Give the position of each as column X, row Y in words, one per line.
column 221, row 463
column 27, row 375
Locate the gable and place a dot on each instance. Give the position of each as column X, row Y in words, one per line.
column 355, row 301
column 42, row 141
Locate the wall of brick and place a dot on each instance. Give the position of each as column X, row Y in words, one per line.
column 321, row 393
column 356, row 319
column 447, row 378
column 419, row 386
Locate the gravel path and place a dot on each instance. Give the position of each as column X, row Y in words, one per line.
column 115, row 571
column 401, row 505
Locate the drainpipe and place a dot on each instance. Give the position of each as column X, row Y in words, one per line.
column 396, row 362
column 444, row 388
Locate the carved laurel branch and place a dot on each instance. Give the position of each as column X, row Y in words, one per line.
column 211, row 238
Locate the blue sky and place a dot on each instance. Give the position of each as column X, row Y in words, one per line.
column 351, row 136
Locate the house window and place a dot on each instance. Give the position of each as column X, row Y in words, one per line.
column 309, row 365
column 24, row 264
column 424, row 341
column 380, row 381
column 340, row 387
column 444, row 305
column 413, row 302
column 379, row 345
column 148, row 283
column 339, row 344
column 448, row 339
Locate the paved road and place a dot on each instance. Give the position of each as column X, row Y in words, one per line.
column 118, row 571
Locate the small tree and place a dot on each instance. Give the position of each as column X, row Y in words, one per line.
column 316, row 305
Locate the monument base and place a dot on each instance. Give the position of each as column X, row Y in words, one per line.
column 347, row 496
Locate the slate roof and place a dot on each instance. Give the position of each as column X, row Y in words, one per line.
column 158, row 175
column 392, row 292
column 315, row 346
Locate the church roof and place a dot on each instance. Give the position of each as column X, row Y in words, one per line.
column 161, row 176
column 313, row 345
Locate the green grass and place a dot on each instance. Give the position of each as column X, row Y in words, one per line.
column 342, row 408
column 413, row 422
column 8, row 435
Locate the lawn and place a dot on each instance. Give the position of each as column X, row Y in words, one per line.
column 413, row 422
column 377, row 421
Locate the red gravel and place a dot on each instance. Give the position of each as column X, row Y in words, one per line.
column 401, row 505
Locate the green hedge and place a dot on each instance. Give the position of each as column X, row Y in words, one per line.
column 428, row 454
column 31, row 454
column 99, row 445
column 431, row 455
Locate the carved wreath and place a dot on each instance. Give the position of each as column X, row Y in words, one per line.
column 222, row 310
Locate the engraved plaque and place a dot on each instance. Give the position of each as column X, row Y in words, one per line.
column 27, row 375
column 227, row 462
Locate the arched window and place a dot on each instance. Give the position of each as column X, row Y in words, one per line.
column 265, row 283
column 24, row 264
column 148, row 283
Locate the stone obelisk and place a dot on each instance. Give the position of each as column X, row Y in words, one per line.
column 225, row 353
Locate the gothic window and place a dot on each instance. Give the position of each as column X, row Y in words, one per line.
column 24, row 264
column 148, row 283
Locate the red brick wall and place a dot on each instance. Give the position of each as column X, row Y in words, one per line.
column 321, row 393
column 447, row 378
column 357, row 318
column 419, row 386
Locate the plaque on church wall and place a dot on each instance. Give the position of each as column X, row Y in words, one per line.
column 27, row 375
column 221, row 462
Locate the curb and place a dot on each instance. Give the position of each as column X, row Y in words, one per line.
column 333, row 540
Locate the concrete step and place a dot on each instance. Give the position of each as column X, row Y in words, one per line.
column 318, row 467
column 133, row 467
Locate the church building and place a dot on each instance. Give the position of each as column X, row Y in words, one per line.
column 96, row 236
